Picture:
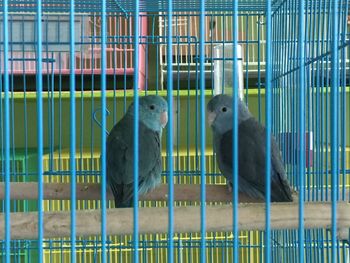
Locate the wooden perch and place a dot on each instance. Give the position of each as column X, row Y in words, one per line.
column 186, row 219
column 92, row 191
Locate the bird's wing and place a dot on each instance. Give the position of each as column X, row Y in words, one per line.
column 150, row 166
column 284, row 190
column 117, row 148
column 223, row 148
column 120, row 159
column 252, row 154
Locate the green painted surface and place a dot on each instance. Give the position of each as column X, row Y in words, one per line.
column 88, row 133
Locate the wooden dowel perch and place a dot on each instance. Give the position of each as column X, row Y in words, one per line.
column 186, row 219
column 92, row 191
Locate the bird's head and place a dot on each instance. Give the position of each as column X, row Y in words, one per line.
column 153, row 112
column 219, row 113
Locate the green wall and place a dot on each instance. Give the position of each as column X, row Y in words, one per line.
column 88, row 133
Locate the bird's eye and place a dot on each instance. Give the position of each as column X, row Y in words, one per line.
column 223, row 109
column 151, row 107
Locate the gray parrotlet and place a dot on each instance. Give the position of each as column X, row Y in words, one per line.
column 251, row 151
column 153, row 117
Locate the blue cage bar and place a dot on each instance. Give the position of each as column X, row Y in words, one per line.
column 68, row 72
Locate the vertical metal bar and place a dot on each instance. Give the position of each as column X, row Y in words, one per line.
column 312, row 101
column 348, row 134
column 309, row 49
column 12, row 135
column 51, row 105
column 72, row 131
column 247, row 58
column 285, row 103
column 39, row 116
column 224, row 30
column 301, row 86
column 60, row 126
column 82, row 103
column 6, row 134
column 334, row 124
column 92, row 103
column 275, row 64
column 235, row 132
column 277, row 92
column 202, row 125
column 188, row 120
column 157, row 68
column 196, row 102
column 124, row 76
column 293, row 100
column 212, row 26
column 268, row 86
column 343, row 99
column 259, row 68
column 115, row 63
column 146, row 61
column 103, row 134
column 323, row 162
column 178, row 127
column 25, row 113
column 317, row 92
column 136, row 131
column 170, row 133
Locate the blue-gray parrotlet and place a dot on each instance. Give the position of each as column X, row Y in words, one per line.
column 251, row 151
column 153, row 117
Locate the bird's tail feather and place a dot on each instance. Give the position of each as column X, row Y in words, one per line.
column 118, row 190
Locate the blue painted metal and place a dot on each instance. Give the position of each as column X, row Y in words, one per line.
column 202, row 38
column 6, row 134
column 315, row 125
column 136, row 133
column 309, row 105
column 247, row 64
column 107, row 113
column 235, row 134
column 344, row 103
column 178, row 125
column 72, row 133
column 126, row 6
column 170, row 143
column 82, row 107
column 301, row 139
column 259, row 24
column 39, row 117
column 122, row 40
column 268, row 106
column 334, row 122
column 103, row 134
column 323, row 159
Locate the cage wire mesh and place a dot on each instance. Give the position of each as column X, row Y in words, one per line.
column 19, row 64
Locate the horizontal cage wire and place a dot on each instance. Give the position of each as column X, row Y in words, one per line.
column 306, row 72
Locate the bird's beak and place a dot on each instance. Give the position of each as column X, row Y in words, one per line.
column 211, row 117
column 164, row 118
